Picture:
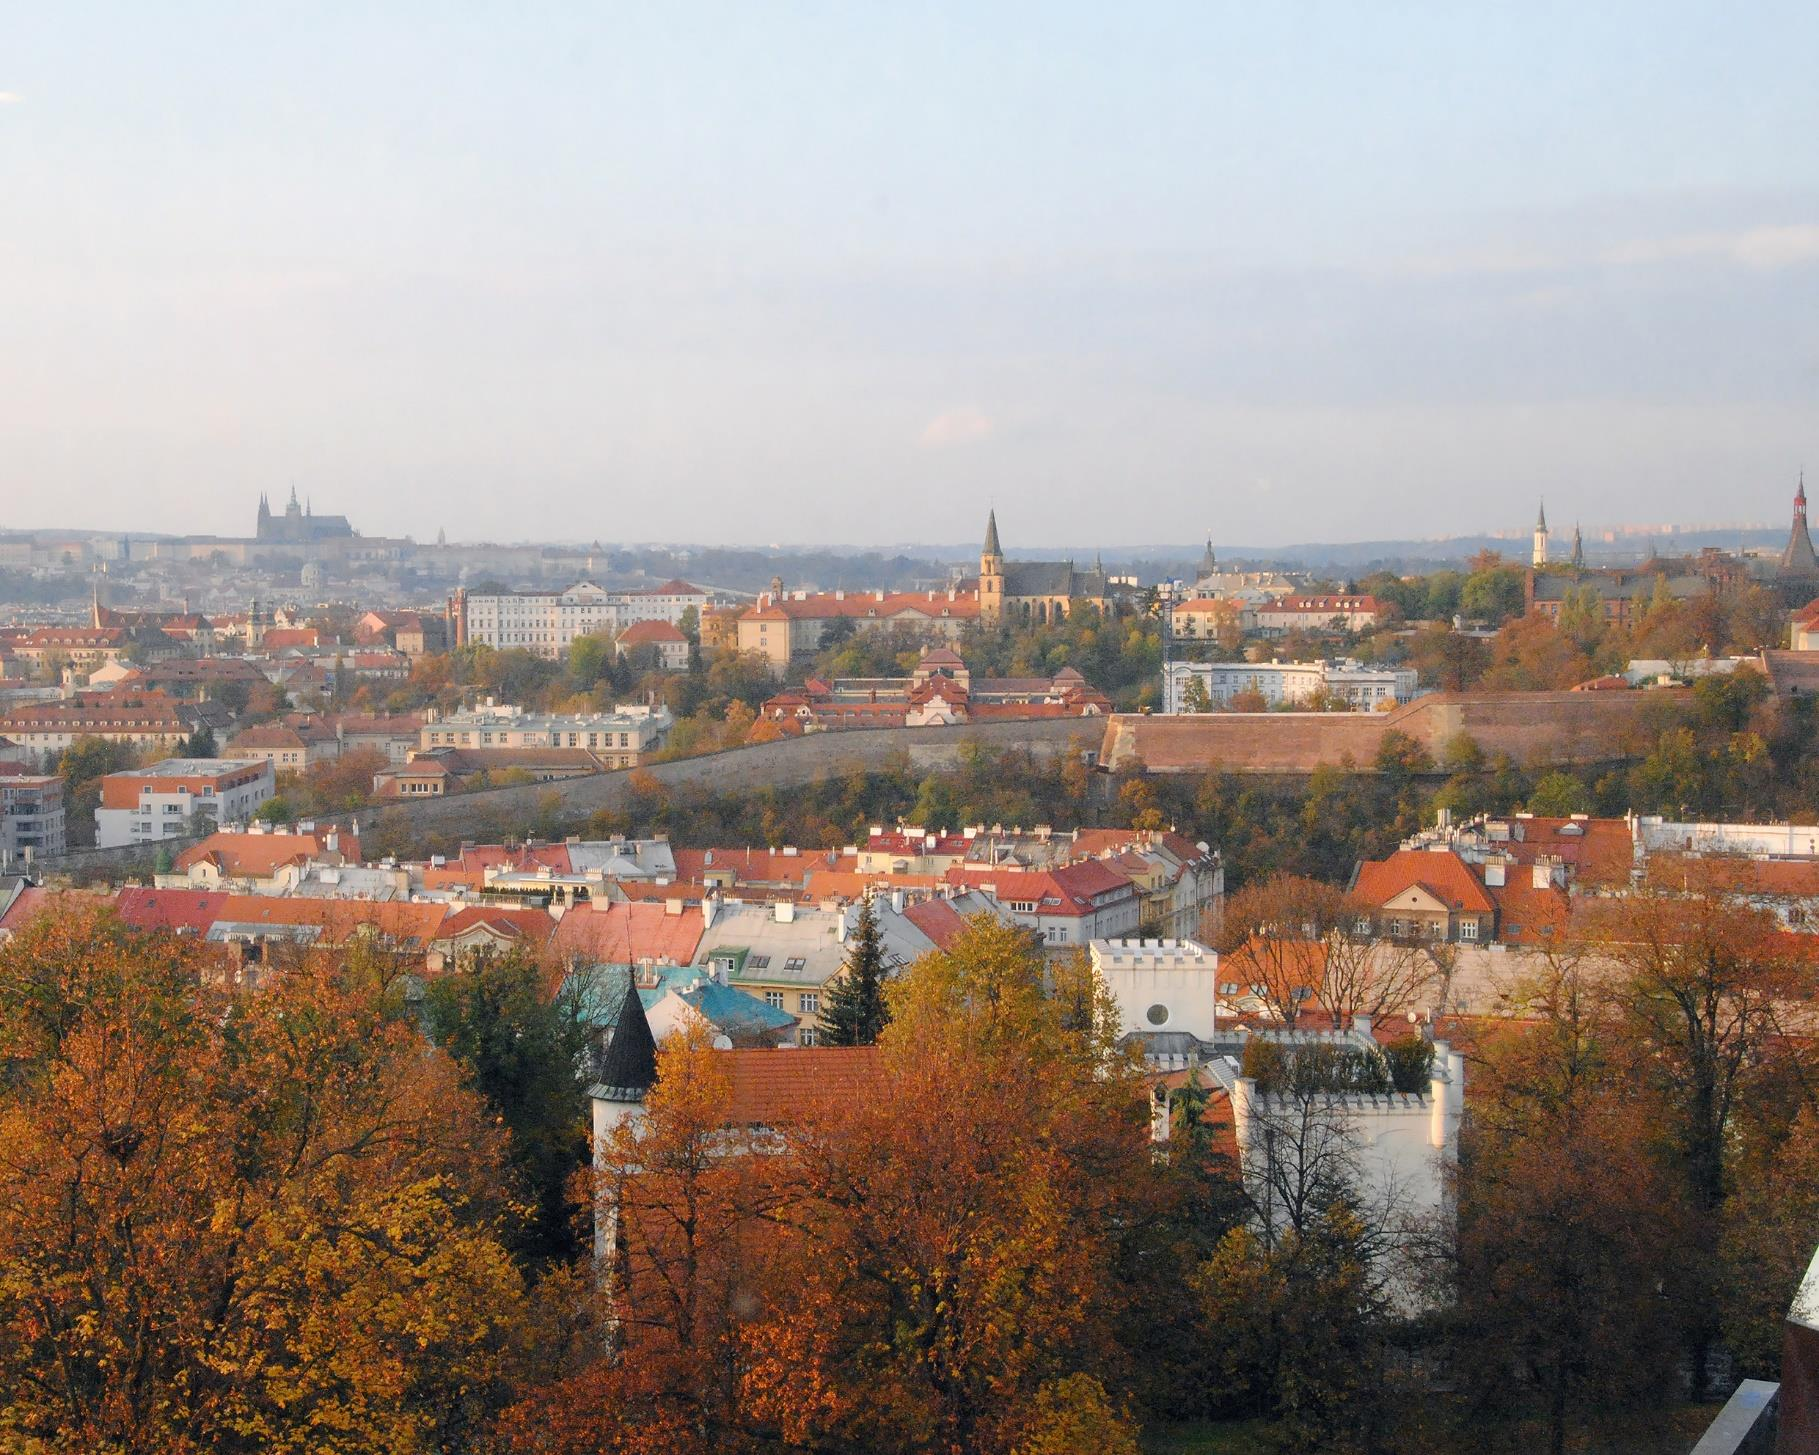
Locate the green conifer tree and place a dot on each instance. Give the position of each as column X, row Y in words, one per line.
column 855, row 1011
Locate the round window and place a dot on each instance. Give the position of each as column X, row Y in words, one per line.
column 1158, row 1015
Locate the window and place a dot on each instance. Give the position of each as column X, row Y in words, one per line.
column 811, row 1004
column 757, row 962
column 1157, row 1015
column 774, row 999
column 795, row 962
column 808, row 1036
column 1468, row 929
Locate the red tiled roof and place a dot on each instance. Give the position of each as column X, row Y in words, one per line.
column 623, row 934
column 31, row 902
column 1598, row 850
column 937, row 919
column 340, row 918
column 1527, row 915
column 757, row 866
column 532, row 925
column 640, row 632
column 170, row 909
column 851, row 884
column 1442, row 874
column 260, row 855
column 773, row 1087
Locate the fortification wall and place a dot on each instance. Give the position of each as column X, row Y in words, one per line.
column 1532, row 727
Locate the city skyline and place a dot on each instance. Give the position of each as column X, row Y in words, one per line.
column 1269, row 271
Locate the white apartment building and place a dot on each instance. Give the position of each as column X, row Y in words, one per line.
column 144, row 805
column 548, row 622
column 634, row 729
column 1278, row 682
column 1160, row 985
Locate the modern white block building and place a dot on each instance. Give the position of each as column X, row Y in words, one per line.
column 144, row 805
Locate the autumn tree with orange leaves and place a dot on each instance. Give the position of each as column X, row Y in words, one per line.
column 238, row 1220
column 1569, row 1226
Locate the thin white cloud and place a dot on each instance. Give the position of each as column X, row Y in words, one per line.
column 10, row 98
column 961, row 426
column 1755, row 247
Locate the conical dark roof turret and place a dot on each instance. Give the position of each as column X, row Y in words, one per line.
column 628, row 1068
column 991, row 534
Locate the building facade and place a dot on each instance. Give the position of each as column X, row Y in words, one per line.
column 144, row 805
column 623, row 737
column 31, row 817
column 1337, row 613
column 1279, row 682
column 548, row 623
column 785, row 625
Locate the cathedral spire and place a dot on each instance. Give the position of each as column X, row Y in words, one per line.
column 991, row 534
column 1578, row 547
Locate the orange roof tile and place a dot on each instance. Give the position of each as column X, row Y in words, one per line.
column 624, row 934
column 1442, row 874
column 261, row 855
column 773, row 1087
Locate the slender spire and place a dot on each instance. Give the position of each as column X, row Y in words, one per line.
column 1541, row 519
column 991, row 534
column 1578, row 546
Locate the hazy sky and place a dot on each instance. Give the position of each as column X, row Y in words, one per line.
column 843, row 272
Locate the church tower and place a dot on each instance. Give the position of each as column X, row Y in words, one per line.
column 991, row 575
column 1578, row 549
column 1538, row 556
column 1798, row 563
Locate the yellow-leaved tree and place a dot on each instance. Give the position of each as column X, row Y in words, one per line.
column 235, row 1219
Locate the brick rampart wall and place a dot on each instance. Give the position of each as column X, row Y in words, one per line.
column 1532, row 727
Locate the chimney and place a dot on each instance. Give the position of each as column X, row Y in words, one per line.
column 1542, row 875
column 784, row 912
column 1493, row 873
column 710, row 906
column 897, row 901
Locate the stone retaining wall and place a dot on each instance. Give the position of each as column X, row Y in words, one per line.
column 1532, row 727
